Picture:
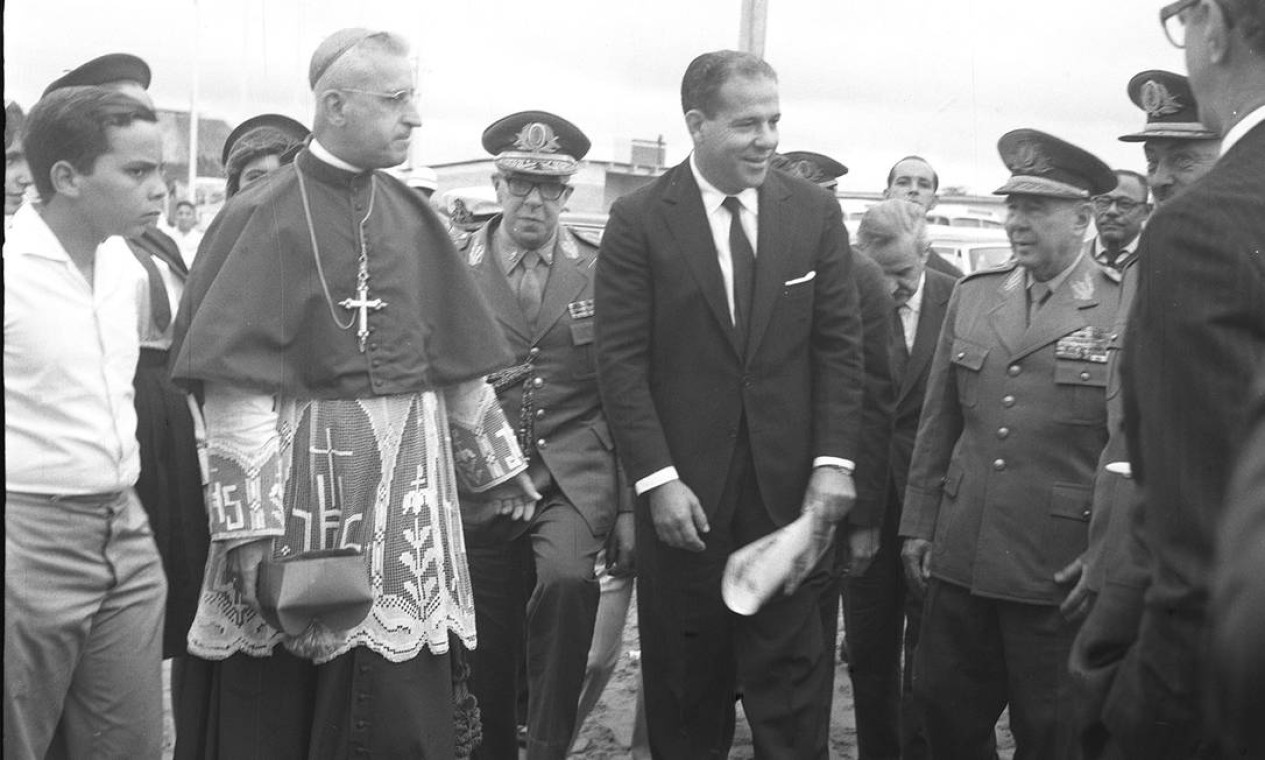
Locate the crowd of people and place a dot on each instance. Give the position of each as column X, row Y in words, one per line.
column 379, row 485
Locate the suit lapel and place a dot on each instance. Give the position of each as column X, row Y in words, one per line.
column 775, row 238
column 1062, row 313
column 500, row 297
column 1009, row 314
column 686, row 220
column 935, row 302
column 566, row 281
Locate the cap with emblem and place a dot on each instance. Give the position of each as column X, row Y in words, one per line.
column 536, row 142
column 269, row 128
column 1042, row 164
column 332, row 48
column 1171, row 110
column 814, row 167
column 114, row 67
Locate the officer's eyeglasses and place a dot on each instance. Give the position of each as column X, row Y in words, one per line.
column 521, row 188
column 1103, row 203
column 399, row 98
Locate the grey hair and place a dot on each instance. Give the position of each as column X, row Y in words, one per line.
column 354, row 68
column 891, row 220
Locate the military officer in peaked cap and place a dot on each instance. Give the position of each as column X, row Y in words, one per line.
column 1001, row 483
column 814, row 167
column 1179, row 150
column 534, row 578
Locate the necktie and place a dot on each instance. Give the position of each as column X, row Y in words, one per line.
column 531, row 287
column 159, row 306
column 1038, row 294
column 743, row 257
column 899, row 345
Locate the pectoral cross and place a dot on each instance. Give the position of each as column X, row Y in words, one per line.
column 364, row 304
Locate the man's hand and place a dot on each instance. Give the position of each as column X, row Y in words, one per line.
column 243, row 568
column 1079, row 600
column 678, row 517
column 515, row 498
column 863, row 544
column 830, row 494
column 621, row 557
column 915, row 555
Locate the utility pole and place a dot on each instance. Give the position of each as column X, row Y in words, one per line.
column 751, row 30
column 193, row 116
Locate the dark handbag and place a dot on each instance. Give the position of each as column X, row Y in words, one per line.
column 328, row 586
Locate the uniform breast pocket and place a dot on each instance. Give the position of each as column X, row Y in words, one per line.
column 584, row 363
column 968, row 360
column 1083, row 390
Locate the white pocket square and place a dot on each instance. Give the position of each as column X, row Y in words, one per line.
column 805, row 278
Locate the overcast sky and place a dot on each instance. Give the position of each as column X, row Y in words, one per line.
column 865, row 82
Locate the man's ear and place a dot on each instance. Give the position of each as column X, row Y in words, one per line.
column 1216, row 33
column 694, row 120
column 1084, row 215
column 65, row 179
column 332, row 106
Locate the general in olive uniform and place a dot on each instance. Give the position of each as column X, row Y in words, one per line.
column 534, row 576
column 1001, row 484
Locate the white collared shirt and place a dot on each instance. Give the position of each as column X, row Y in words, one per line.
column 910, row 310
column 70, row 352
column 1244, row 126
column 719, row 219
column 1126, row 252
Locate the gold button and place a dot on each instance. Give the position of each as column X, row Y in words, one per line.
column 1013, row 370
column 540, row 443
column 1084, row 375
column 1003, row 432
column 538, row 382
column 1085, row 513
column 540, row 414
column 961, row 354
column 1007, row 401
column 999, row 464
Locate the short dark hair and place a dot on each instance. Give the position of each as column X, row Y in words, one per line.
column 706, row 74
column 71, row 124
column 1249, row 17
column 1141, row 179
column 935, row 178
column 186, row 202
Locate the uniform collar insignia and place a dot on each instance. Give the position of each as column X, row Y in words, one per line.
column 536, row 137
column 1083, row 287
column 1157, row 100
column 1015, row 280
column 566, row 244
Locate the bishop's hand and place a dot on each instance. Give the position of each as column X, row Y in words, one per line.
column 514, row 498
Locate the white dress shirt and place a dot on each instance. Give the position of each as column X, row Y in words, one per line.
column 70, row 352
column 909, row 312
column 719, row 219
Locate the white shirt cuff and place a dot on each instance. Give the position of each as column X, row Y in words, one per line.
column 656, row 479
column 847, row 464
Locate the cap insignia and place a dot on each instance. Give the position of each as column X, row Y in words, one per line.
column 804, row 169
column 1157, row 100
column 536, row 137
column 1029, row 159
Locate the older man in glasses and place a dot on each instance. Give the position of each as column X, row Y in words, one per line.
column 534, row 579
column 1119, row 216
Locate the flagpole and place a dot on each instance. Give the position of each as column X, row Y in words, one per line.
column 193, row 116
column 751, row 30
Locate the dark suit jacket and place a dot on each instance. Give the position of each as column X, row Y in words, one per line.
column 1003, row 467
column 1195, row 338
column 877, row 309
column 911, row 385
column 676, row 386
column 940, row 264
column 570, row 431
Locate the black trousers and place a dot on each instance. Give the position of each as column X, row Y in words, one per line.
column 535, row 600
column 696, row 654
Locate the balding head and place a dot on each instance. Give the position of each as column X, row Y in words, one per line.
column 894, row 234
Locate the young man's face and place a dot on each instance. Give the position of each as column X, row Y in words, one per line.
column 125, row 191
column 734, row 146
column 17, row 177
column 914, row 181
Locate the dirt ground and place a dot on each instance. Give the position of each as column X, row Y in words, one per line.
column 607, row 733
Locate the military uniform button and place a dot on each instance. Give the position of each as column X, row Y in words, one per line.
column 1003, row 432
column 538, row 382
column 999, row 464
column 1084, row 375
column 535, row 351
column 961, row 354
column 540, row 414
column 1014, row 370
column 375, row 363
column 541, row 443
column 1007, row 401
column 1085, row 514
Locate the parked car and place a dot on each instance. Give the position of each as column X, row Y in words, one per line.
column 968, row 248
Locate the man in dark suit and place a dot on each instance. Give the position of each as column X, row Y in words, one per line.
column 533, row 576
column 999, row 490
column 1196, row 336
column 731, row 372
column 1113, row 572
column 913, row 179
column 893, row 234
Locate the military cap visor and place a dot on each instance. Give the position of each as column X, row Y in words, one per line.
column 1169, row 103
column 114, row 67
column 284, row 125
column 813, row 167
column 1042, row 164
column 536, row 142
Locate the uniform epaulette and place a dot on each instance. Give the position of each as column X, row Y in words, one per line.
column 1008, row 266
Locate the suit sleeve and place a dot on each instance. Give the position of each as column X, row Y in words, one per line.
column 938, row 433
column 873, row 456
column 836, row 345
column 624, row 294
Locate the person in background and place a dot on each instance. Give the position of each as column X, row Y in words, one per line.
column 913, row 179
column 1000, row 484
column 1179, row 149
column 84, row 583
column 259, row 146
column 17, row 173
column 186, row 232
column 1119, row 216
column 340, row 346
